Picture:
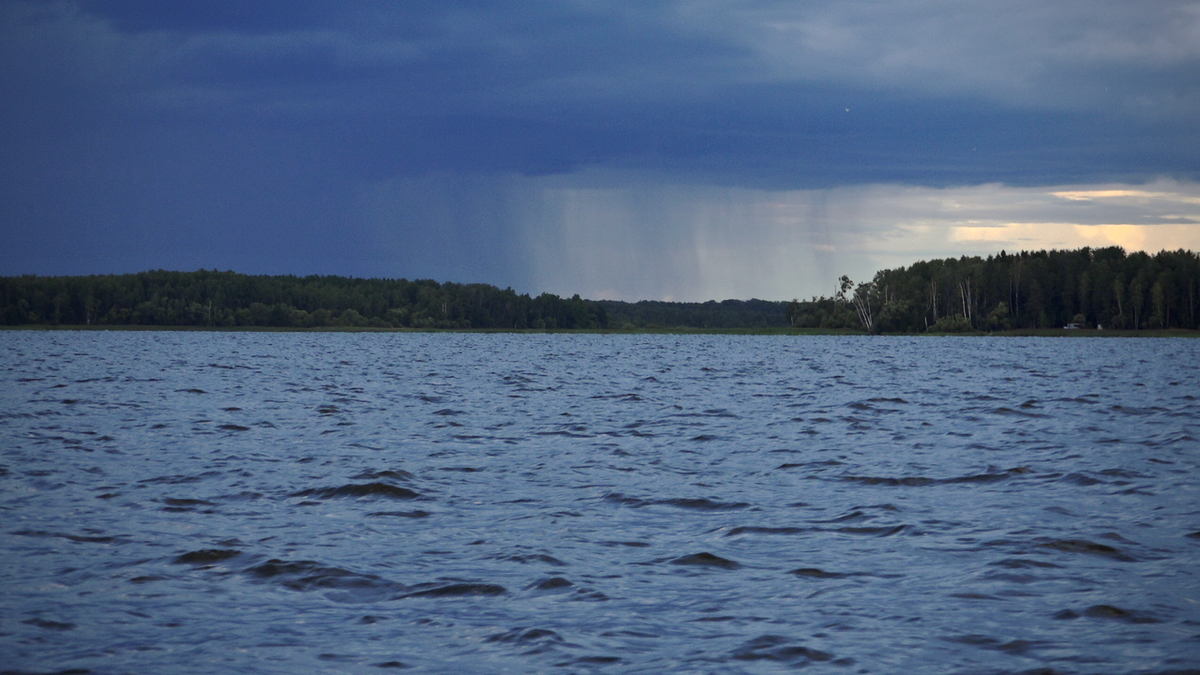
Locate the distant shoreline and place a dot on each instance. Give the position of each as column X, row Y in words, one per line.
column 1028, row 293
column 678, row 330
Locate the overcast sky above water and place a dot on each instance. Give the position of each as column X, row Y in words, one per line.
column 621, row 149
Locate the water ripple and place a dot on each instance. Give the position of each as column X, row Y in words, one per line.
column 447, row 503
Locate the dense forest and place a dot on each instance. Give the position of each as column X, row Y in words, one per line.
column 228, row 299
column 1088, row 288
column 711, row 314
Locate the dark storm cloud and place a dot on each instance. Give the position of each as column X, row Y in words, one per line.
column 753, row 92
column 246, row 134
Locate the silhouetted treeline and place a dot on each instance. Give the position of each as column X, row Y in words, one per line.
column 1043, row 289
column 227, row 299
column 711, row 314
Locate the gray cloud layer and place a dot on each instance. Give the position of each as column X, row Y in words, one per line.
column 256, row 135
column 742, row 92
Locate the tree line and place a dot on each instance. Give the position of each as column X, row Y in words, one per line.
column 1087, row 288
column 711, row 314
column 1101, row 287
column 229, row 299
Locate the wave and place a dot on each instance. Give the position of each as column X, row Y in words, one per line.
column 782, row 650
column 359, row 491
column 706, row 559
column 695, row 504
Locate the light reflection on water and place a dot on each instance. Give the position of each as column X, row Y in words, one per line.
column 181, row 502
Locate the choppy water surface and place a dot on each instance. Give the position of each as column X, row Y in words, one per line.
column 448, row 503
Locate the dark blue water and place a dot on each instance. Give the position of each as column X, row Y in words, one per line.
column 448, row 503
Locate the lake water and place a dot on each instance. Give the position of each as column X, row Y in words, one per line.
column 460, row 503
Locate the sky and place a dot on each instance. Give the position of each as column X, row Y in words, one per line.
column 618, row 149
